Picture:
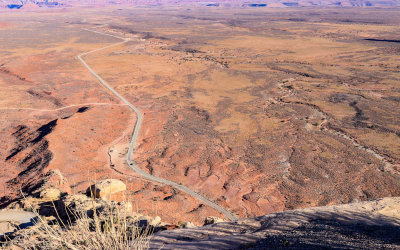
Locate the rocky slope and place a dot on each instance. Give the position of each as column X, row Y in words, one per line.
column 51, row 218
column 365, row 225
column 44, row 129
column 257, row 123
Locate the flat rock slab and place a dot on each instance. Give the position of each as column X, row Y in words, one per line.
column 9, row 218
column 373, row 224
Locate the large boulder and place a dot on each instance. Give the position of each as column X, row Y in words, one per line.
column 50, row 194
column 106, row 189
column 212, row 220
column 145, row 221
column 188, row 224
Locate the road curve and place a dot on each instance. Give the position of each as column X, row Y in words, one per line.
column 135, row 134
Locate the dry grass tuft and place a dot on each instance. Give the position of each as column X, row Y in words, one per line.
column 110, row 228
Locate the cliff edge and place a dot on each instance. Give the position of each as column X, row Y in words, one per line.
column 366, row 225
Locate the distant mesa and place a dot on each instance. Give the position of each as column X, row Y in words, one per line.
column 30, row 6
column 277, row 5
column 291, row 4
column 14, row 4
column 47, row 4
column 254, row 5
column 336, row 4
column 382, row 40
column 209, row 4
column 33, row 5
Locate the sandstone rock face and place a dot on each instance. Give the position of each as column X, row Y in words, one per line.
column 50, row 194
column 105, row 189
column 345, row 226
column 189, row 224
column 81, row 201
column 55, row 179
column 156, row 221
column 212, row 220
column 12, row 220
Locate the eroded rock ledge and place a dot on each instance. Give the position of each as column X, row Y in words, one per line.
column 367, row 225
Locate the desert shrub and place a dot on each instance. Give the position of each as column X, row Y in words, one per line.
column 110, row 228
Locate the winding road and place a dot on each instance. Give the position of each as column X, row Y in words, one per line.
column 135, row 135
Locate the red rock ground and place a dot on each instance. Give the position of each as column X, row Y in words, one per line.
column 252, row 114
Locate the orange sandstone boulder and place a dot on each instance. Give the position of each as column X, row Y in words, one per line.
column 106, row 189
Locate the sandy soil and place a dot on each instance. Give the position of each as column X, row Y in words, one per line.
column 259, row 110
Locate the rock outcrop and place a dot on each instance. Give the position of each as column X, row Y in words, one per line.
column 106, row 189
column 371, row 225
column 212, row 220
column 50, row 194
column 366, row 225
column 189, row 224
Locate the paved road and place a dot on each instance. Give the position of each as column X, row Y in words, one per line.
column 135, row 135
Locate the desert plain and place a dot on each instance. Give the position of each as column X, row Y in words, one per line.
column 259, row 110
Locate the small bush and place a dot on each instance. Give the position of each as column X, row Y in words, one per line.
column 110, row 229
